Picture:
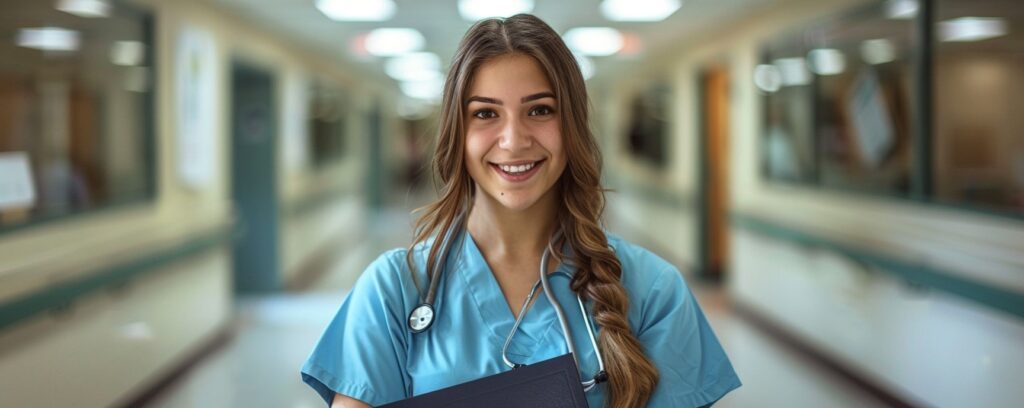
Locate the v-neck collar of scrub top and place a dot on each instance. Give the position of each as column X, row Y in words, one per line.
column 485, row 292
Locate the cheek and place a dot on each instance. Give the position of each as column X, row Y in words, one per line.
column 551, row 139
column 476, row 147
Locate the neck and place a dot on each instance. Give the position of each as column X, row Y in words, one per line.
column 502, row 232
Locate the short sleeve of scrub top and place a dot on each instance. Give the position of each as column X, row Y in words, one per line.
column 369, row 354
column 363, row 351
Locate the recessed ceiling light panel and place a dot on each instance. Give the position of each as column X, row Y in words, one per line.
column 967, row 29
column 416, row 66
column 594, row 41
column 901, row 9
column 877, row 51
column 127, row 53
column 357, row 10
column 85, row 8
column 389, row 42
column 474, row 10
column 827, row 61
column 49, row 39
column 639, row 10
column 586, row 66
column 767, row 77
column 427, row 90
column 793, row 71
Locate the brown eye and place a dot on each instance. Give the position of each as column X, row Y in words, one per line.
column 541, row 110
column 485, row 114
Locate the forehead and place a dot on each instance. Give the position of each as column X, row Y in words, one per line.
column 509, row 76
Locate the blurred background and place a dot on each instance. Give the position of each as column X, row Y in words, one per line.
column 188, row 188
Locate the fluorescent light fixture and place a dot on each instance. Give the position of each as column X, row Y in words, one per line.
column 415, row 66
column 357, row 10
column 389, row 42
column 429, row 90
column 85, row 8
column 877, row 51
column 793, row 71
column 413, row 109
column 901, row 9
column 49, row 39
column 767, row 78
column 127, row 53
column 586, row 66
column 474, row 10
column 827, row 61
column 639, row 10
column 966, row 29
column 594, row 41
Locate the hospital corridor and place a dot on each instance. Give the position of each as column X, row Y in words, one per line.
column 190, row 190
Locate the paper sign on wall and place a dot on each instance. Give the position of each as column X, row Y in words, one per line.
column 16, row 188
column 196, row 84
column 872, row 123
column 295, row 119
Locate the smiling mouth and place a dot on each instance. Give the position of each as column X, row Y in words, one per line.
column 517, row 172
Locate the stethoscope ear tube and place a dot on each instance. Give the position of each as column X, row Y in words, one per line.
column 422, row 316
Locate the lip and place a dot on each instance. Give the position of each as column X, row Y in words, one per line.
column 517, row 178
column 517, row 162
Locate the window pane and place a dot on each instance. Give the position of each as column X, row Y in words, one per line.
column 862, row 66
column 328, row 114
column 979, row 92
column 647, row 136
column 838, row 102
column 788, row 147
column 74, row 97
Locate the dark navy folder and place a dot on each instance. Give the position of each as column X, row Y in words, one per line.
column 547, row 384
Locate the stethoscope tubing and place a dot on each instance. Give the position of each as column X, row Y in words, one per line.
column 417, row 324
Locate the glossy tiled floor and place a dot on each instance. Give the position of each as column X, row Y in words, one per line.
column 260, row 366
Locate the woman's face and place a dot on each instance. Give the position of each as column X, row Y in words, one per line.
column 513, row 139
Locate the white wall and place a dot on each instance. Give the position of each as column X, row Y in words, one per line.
column 928, row 347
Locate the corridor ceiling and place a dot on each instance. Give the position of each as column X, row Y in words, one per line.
column 439, row 21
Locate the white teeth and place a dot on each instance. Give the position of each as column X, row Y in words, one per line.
column 516, row 169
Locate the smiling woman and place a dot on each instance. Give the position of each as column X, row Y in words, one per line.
column 513, row 150
column 520, row 187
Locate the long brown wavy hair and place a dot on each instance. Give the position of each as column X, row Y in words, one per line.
column 631, row 375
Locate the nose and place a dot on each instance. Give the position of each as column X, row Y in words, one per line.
column 515, row 136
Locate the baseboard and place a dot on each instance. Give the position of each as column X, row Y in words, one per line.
column 312, row 269
column 214, row 343
column 814, row 355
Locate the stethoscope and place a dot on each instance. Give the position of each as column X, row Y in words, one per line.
column 422, row 316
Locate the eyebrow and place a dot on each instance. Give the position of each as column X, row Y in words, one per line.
column 524, row 99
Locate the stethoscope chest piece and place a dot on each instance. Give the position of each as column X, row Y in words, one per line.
column 421, row 317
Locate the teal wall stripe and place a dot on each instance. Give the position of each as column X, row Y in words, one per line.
column 995, row 297
column 63, row 296
column 316, row 201
column 661, row 196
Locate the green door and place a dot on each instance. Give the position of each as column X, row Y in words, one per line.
column 253, row 180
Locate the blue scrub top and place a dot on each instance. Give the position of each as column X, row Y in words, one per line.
column 368, row 352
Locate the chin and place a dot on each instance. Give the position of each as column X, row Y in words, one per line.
column 516, row 201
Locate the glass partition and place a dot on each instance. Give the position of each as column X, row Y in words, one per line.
column 847, row 105
column 979, row 95
column 75, row 109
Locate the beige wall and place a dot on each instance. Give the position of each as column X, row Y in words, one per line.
column 111, row 344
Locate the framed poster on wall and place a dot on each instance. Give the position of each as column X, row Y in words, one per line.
column 196, row 145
